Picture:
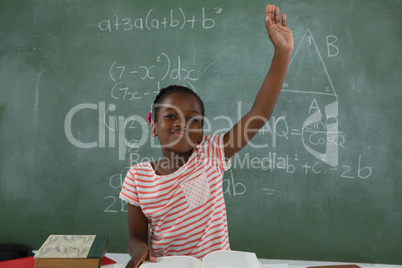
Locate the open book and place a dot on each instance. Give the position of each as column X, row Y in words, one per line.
column 215, row 259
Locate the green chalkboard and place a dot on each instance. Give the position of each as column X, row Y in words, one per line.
column 321, row 181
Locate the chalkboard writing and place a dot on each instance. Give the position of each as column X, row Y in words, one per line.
column 318, row 182
column 175, row 19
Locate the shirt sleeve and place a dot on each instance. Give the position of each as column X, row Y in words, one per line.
column 129, row 189
column 213, row 148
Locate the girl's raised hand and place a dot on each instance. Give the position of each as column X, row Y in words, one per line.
column 279, row 34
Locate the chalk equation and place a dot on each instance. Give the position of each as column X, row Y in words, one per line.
column 315, row 132
column 205, row 19
column 164, row 67
column 290, row 163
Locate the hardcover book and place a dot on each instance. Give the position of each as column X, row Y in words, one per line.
column 72, row 251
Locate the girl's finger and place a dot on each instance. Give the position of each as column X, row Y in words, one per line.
column 276, row 16
column 151, row 255
column 284, row 20
column 269, row 12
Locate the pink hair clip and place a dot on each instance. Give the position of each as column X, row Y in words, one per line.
column 149, row 117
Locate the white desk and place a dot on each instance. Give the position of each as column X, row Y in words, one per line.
column 122, row 260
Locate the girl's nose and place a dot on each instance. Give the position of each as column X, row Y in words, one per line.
column 180, row 122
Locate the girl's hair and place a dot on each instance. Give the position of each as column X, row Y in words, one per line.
column 164, row 92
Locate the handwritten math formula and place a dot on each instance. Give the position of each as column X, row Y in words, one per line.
column 204, row 19
column 163, row 67
column 127, row 76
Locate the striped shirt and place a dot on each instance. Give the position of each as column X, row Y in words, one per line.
column 186, row 210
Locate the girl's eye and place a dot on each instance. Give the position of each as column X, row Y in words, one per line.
column 169, row 116
column 195, row 121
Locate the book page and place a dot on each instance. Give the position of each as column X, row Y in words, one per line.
column 173, row 262
column 230, row 259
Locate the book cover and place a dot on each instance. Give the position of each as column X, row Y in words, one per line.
column 69, row 250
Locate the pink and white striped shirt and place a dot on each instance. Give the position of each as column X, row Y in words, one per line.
column 186, row 210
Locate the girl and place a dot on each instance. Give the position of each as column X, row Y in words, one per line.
column 179, row 197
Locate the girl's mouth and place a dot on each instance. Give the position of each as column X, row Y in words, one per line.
column 179, row 133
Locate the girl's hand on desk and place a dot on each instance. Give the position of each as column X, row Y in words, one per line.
column 279, row 34
column 142, row 253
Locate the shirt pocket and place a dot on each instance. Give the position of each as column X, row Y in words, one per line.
column 196, row 191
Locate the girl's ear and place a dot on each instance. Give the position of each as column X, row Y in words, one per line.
column 154, row 133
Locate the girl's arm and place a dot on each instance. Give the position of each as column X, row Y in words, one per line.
column 281, row 37
column 138, row 238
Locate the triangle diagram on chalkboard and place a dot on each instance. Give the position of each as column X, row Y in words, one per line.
column 307, row 72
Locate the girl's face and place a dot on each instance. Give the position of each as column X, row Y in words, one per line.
column 179, row 123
